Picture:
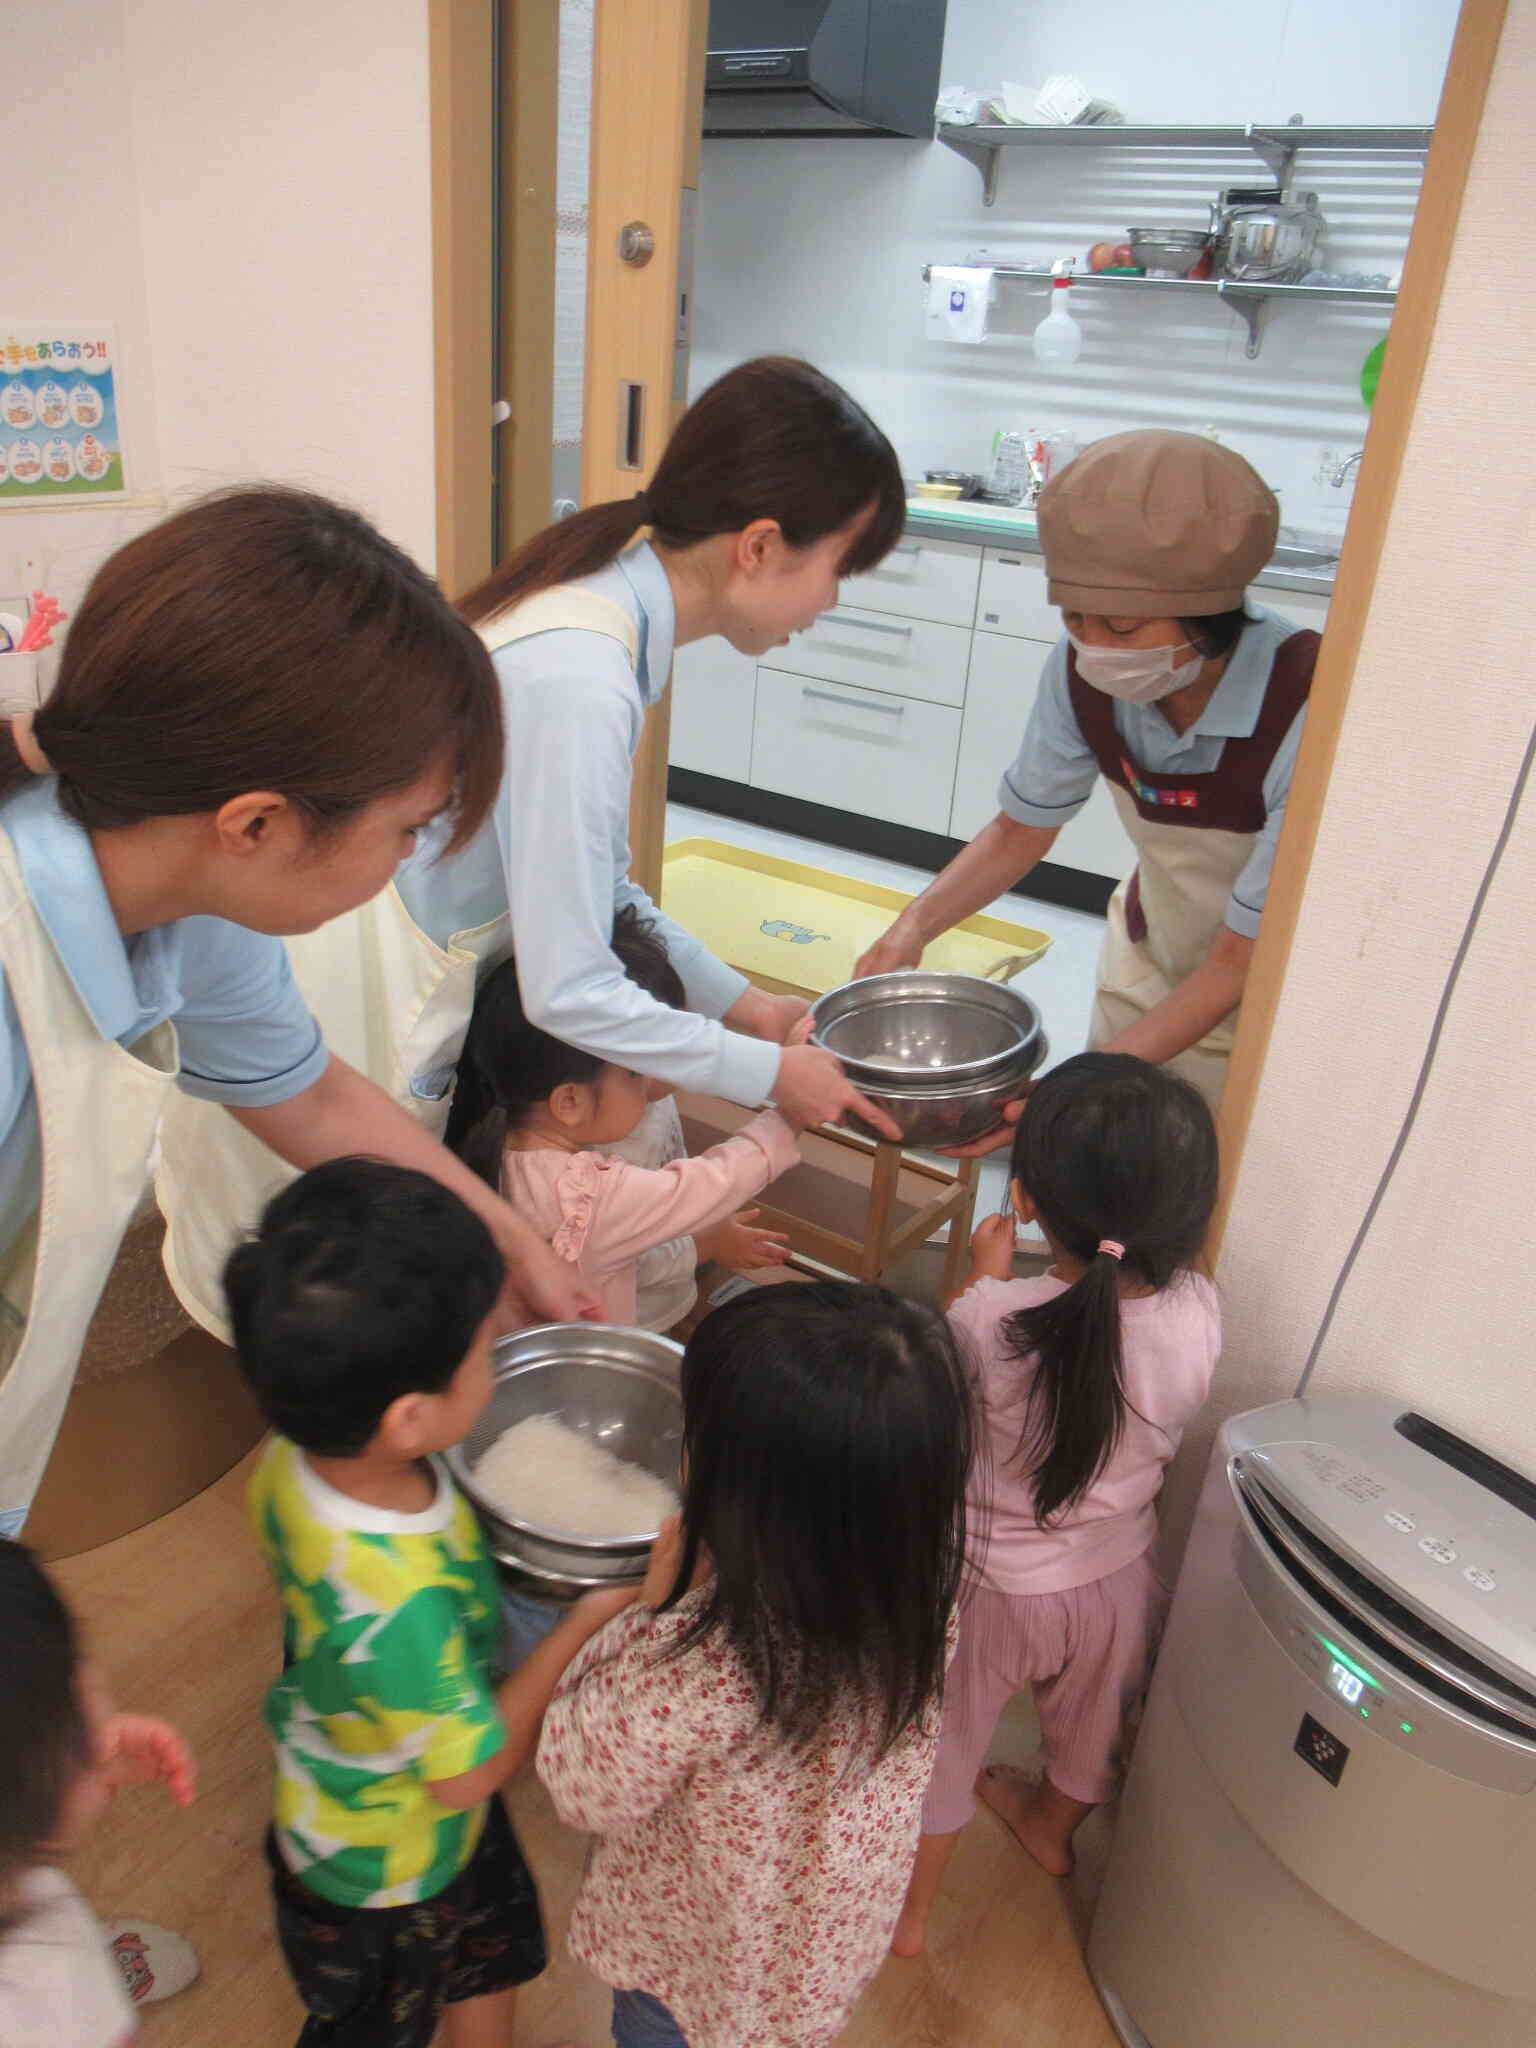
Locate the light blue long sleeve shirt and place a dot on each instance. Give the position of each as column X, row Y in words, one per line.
column 1053, row 774
column 556, row 852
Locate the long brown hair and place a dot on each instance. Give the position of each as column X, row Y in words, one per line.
column 263, row 638
column 771, row 439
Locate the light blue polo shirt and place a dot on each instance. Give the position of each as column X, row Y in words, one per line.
column 1054, row 772
column 555, row 851
column 245, row 1033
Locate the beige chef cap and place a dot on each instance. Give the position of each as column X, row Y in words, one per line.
column 1155, row 525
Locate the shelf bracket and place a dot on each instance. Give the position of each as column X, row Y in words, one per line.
column 984, row 156
column 1248, row 304
column 1277, row 154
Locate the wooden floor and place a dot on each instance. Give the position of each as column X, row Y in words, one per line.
column 181, row 1616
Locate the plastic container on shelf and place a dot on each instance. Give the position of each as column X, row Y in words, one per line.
column 1058, row 339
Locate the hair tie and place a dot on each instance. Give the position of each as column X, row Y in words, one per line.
column 1112, row 1246
column 27, row 745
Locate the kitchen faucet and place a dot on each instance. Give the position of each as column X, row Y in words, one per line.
column 1338, row 476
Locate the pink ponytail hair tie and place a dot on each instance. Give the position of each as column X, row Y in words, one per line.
column 1109, row 1244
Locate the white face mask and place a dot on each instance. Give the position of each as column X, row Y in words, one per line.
column 1136, row 675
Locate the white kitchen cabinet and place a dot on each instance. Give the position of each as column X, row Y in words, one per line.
column 713, row 688
column 868, row 751
column 999, row 696
column 874, row 651
column 1012, row 596
column 921, row 579
column 1299, row 606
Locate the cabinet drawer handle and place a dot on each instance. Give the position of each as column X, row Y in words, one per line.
column 853, row 703
column 1010, row 561
column 870, row 625
column 907, row 548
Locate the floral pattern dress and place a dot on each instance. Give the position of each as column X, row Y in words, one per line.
column 751, row 1887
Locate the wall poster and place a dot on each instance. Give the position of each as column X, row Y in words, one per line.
column 59, row 432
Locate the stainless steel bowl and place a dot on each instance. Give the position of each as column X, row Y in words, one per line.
column 947, row 1116
column 1176, row 250
column 941, row 1053
column 616, row 1385
column 925, row 1030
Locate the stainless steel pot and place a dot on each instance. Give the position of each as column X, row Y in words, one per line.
column 617, row 1385
column 948, row 1116
column 1168, row 252
column 1271, row 243
column 940, row 1052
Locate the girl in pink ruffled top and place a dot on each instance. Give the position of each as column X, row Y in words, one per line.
column 528, row 1111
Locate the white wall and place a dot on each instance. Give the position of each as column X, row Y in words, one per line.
column 246, row 192
column 1440, row 1309
column 817, row 247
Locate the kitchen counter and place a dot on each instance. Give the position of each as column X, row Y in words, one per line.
column 999, row 526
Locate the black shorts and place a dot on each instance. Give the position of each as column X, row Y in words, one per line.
column 379, row 1976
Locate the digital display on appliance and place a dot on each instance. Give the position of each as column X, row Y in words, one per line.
column 1345, row 1683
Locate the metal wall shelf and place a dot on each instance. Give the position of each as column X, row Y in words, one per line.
column 1247, row 301
column 983, row 143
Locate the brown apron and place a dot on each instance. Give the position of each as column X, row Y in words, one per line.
column 1193, row 835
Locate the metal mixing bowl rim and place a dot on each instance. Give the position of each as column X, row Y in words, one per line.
column 961, row 1073
column 918, row 1096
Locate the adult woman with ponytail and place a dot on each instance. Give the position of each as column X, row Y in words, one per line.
column 259, row 705
column 774, row 484
column 1089, row 1375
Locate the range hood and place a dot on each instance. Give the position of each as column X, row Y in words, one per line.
column 823, row 67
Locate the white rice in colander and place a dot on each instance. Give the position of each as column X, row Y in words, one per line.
column 541, row 1470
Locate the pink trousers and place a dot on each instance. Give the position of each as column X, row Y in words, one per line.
column 1085, row 1654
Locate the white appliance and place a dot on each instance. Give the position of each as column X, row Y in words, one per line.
column 1328, row 1835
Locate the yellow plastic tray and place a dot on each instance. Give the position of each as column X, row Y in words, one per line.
column 802, row 929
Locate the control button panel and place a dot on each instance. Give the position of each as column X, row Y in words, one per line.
column 1396, row 1519
column 1437, row 1548
column 1485, row 1582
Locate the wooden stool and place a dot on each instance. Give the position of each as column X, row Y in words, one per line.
column 855, row 1204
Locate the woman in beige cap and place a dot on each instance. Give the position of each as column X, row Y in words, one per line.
column 1190, row 702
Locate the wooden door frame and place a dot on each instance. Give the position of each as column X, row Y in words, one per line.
column 645, row 151
column 461, row 46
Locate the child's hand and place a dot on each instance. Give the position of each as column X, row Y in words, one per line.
column 739, row 1242
column 666, row 1556
column 800, row 1031
column 603, row 1602
column 992, row 1247
column 140, row 1750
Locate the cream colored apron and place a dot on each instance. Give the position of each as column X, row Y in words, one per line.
column 1186, row 879
column 98, row 1106
column 389, row 1000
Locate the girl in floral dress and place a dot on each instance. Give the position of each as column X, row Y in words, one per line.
column 750, row 1743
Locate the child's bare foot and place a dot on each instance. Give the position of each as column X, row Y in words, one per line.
column 911, row 1936
column 1040, row 1818
column 928, row 1867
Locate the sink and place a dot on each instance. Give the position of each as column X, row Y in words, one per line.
column 1314, row 561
